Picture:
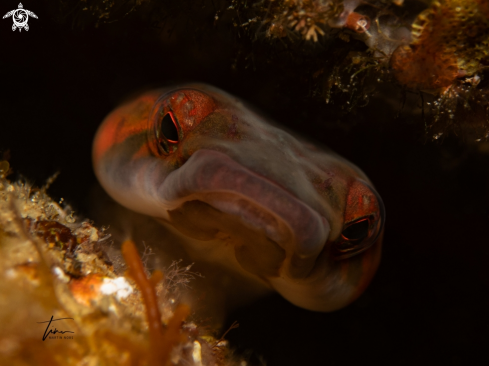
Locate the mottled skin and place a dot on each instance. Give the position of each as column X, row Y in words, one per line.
column 244, row 193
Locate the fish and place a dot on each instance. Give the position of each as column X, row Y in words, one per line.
column 243, row 193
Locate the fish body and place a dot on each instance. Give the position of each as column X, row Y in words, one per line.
column 244, row 193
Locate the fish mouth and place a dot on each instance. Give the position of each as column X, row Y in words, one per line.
column 261, row 204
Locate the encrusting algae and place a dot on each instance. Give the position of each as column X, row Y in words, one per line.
column 449, row 58
column 61, row 302
column 450, row 41
column 439, row 48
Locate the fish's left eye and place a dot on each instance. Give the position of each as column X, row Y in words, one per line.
column 357, row 230
column 362, row 232
column 356, row 237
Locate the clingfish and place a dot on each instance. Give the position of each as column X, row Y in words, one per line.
column 244, row 193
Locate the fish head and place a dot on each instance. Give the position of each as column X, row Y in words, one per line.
column 295, row 216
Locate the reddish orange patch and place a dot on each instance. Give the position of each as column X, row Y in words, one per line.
column 358, row 22
column 202, row 106
column 450, row 41
column 126, row 121
column 360, row 202
column 423, row 67
column 30, row 270
column 87, row 288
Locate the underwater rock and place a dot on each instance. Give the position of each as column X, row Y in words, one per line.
column 62, row 303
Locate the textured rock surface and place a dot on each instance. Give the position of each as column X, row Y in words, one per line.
column 53, row 266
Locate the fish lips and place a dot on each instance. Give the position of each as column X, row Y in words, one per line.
column 215, row 178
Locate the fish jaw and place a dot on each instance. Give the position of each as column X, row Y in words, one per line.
column 214, row 178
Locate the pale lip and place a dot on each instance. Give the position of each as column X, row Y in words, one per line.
column 218, row 180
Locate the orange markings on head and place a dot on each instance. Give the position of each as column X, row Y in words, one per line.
column 193, row 112
column 360, row 202
column 143, row 151
column 126, row 121
column 190, row 107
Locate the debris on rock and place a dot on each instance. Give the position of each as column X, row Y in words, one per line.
column 62, row 303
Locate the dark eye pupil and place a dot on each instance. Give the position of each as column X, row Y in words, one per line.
column 357, row 231
column 168, row 128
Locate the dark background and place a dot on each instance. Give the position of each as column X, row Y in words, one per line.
column 428, row 304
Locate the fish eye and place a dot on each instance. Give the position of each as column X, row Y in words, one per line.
column 168, row 127
column 356, row 237
column 167, row 134
column 357, row 230
column 360, row 234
